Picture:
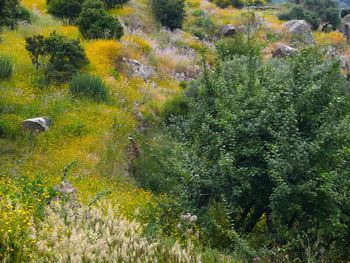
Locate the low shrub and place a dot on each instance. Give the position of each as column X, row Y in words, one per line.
column 227, row 48
column 5, row 67
column 90, row 86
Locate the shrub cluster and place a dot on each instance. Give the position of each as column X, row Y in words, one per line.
column 170, row 13
column 95, row 22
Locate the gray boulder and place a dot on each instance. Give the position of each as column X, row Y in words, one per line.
column 333, row 53
column 345, row 30
column 136, row 69
column 284, row 51
column 36, row 125
column 346, row 19
column 300, row 30
column 229, row 30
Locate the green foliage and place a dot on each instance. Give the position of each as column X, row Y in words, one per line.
column 65, row 8
column 11, row 13
column 95, row 22
column 274, row 148
column 314, row 12
column 65, row 56
column 203, row 27
column 299, row 12
column 344, row 12
column 89, row 86
column 177, row 106
column 170, row 13
column 227, row 48
column 226, row 3
column 35, row 46
column 5, row 68
column 113, row 3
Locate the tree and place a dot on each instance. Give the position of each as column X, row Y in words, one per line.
column 277, row 151
column 65, row 9
column 95, row 22
column 170, row 13
column 65, row 56
column 35, row 46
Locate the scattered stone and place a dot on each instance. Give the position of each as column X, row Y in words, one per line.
column 333, row 53
column 229, row 30
column 137, row 69
column 284, row 51
column 36, row 125
column 345, row 30
column 301, row 31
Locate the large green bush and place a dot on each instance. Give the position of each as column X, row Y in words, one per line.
column 89, row 86
column 299, row 12
column 315, row 12
column 272, row 147
column 11, row 13
column 170, row 13
column 5, row 67
column 95, row 22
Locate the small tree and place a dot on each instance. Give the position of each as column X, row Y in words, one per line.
column 170, row 13
column 95, row 22
column 35, row 46
column 66, row 57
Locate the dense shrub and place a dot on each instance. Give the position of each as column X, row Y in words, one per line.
column 299, row 12
column 203, row 27
column 226, row 3
column 113, row 3
column 344, row 12
column 315, row 12
column 65, row 56
column 5, row 67
column 272, row 150
column 11, row 13
column 95, row 22
column 65, row 8
column 227, row 48
column 170, row 13
column 89, row 86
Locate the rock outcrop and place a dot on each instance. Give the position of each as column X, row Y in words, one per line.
column 284, row 51
column 345, row 30
column 136, row 69
column 229, row 30
column 333, row 53
column 300, row 31
column 36, row 125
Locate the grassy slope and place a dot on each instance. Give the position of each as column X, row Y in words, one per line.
column 93, row 137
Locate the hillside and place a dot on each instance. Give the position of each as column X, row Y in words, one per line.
column 223, row 141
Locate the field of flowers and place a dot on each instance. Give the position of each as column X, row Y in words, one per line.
column 83, row 160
